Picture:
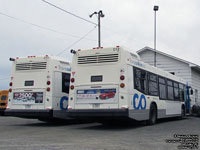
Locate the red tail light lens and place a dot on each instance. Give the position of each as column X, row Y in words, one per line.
column 48, row 82
column 11, row 84
column 10, row 90
column 122, row 85
column 48, row 89
column 71, row 87
column 72, row 80
column 122, row 77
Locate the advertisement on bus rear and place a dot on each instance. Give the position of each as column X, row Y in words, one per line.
column 96, row 96
column 27, row 97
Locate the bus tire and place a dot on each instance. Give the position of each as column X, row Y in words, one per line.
column 152, row 115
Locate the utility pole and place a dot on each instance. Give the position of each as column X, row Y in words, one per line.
column 155, row 8
column 100, row 14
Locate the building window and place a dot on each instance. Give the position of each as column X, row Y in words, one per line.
column 170, row 92
column 172, row 73
column 162, row 88
column 140, row 80
column 176, row 91
column 152, row 84
column 65, row 82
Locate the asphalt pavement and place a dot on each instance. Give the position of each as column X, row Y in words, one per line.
column 32, row 134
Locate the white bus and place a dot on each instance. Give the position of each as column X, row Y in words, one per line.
column 114, row 83
column 39, row 87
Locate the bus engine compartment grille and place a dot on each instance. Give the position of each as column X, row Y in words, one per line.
column 98, row 59
column 31, row 66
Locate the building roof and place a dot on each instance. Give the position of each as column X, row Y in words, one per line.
column 192, row 65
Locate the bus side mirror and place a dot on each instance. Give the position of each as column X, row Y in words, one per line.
column 73, row 51
column 191, row 92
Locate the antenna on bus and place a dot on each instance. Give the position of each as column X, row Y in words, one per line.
column 12, row 59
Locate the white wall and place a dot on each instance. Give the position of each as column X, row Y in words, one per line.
column 168, row 64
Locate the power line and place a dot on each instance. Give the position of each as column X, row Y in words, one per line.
column 77, row 16
column 42, row 27
column 77, row 41
column 68, row 12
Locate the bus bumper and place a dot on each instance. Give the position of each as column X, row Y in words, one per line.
column 138, row 115
column 33, row 113
column 98, row 113
column 2, row 110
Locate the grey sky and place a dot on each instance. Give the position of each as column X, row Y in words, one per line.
column 127, row 22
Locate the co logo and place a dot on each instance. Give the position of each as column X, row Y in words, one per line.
column 142, row 101
column 64, row 98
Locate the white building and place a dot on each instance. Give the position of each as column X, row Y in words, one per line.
column 179, row 67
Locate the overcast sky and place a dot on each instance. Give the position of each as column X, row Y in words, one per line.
column 128, row 23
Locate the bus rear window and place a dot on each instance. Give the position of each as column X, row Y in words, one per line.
column 96, row 78
column 29, row 83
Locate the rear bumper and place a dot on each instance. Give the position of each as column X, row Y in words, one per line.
column 33, row 113
column 98, row 113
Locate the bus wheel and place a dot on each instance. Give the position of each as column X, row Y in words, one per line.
column 152, row 115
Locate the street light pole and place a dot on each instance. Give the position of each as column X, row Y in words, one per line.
column 155, row 8
column 100, row 14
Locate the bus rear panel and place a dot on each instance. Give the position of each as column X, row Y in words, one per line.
column 37, row 86
column 97, row 82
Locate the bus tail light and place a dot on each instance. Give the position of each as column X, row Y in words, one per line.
column 11, row 84
column 122, row 85
column 72, row 80
column 48, row 82
column 124, row 107
column 48, row 108
column 122, row 77
column 69, row 108
column 48, row 89
column 71, row 87
column 10, row 90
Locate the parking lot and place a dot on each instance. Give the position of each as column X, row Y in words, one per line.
column 29, row 134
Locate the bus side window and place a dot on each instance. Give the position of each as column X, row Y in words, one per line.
column 153, row 84
column 181, row 91
column 162, row 88
column 176, row 92
column 65, row 82
column 140, row 80
column 170, row 93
